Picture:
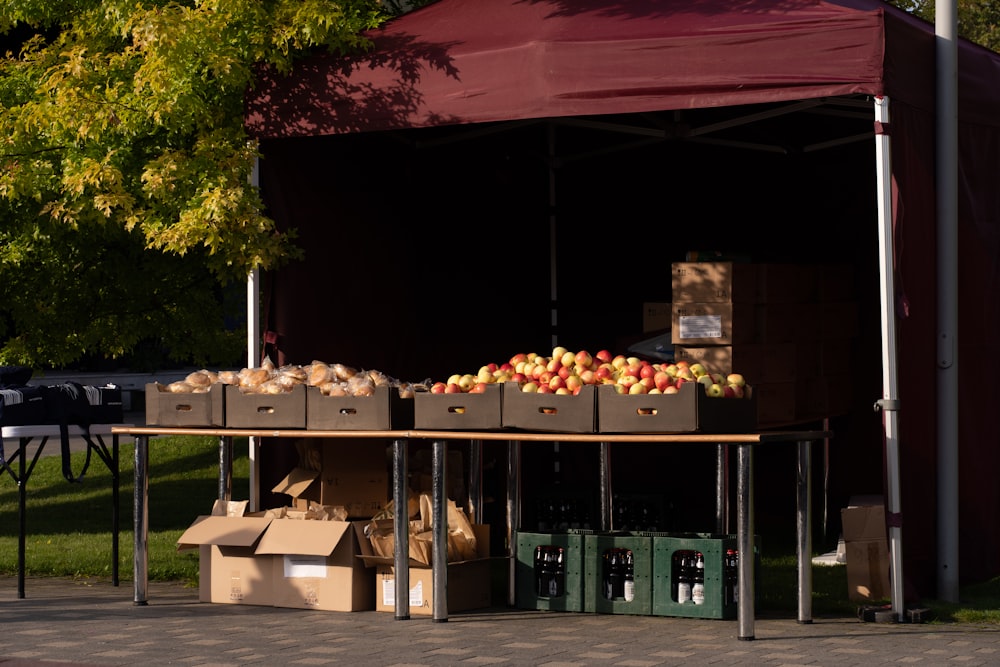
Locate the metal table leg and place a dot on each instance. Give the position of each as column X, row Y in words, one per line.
column 803, row 531
column 401, row 529
column 744, row 541
column 721, row 489
column 140, row 496
column 439, row 531
column 226, row 468
column 115, row 514
column 607, row 511
column 22, row 491
column 513, row 515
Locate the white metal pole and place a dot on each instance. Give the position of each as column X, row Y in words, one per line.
column 946, row 28
column 253, row 351
column 889, row 403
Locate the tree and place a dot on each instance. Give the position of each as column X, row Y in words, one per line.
column 125, row 204
column 978, row 20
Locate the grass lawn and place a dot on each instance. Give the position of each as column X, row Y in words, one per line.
column 68, row 527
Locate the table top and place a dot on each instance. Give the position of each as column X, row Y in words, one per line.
column 52, row 430
column 515, row 436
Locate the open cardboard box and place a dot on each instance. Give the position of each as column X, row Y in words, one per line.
column 353, row 473
column 315, row 564
column 469, row 581
column 229, row 572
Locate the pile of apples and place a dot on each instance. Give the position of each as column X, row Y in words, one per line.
column 567, row 372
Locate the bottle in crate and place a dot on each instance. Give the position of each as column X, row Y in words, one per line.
column 684, row 577
column 550, row 571
column 730, row 575
column 629, row 586
column 698, row 580
column 614, row 574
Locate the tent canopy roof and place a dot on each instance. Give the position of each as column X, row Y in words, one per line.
column 474, row 61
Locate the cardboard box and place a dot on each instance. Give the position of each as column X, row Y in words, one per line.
column 714, row 282
column 736, row 282
column 229, row 572
column 775, row 403
column 386, row 410
column 689, row 410
column 788, row 283
column 825, row 396
column 316, row 565
column 287, row 410
column 566, row 413
column 839, row 320
column 459, row 412
column 469, row 581
column 655, row 316
column 185, row 410
column 867, row 549
column 347, row 472
column 756, row 362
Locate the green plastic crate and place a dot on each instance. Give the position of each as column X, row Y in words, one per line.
column 595, row 600
column 526, row 575
column 666, row 549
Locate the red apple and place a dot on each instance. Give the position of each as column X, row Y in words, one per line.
column 584, row 358
column 646, row 371
column 452, row 388
column 662, row 380
column 603, row 356
column 479, row 388
column 438, row 387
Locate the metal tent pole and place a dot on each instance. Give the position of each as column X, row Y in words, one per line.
column 946, row 28
column 889, row 404
column 253, row 353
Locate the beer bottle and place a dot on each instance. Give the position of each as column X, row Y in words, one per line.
column 629, row 585
column 698, row 582
column 684, row 579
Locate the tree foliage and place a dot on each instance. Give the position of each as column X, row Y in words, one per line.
column 125, row 201
column 978, row 20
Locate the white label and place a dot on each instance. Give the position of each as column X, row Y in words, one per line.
column 629, row 590
column 700, row 326
column 684, row 592
column 389, row 593
column 698, row 594
column 299, row 567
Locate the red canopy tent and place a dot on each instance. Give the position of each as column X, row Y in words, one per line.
column 757, row 77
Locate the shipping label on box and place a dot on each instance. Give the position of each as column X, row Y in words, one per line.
column 725, row 282
column 712, row 323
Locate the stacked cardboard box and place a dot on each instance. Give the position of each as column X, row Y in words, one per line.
column 787, row 328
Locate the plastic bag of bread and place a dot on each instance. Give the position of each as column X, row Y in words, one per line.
column 361, row 385
column 319, row 374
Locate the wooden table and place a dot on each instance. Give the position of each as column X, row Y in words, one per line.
column 745, row 444
column 93, row 436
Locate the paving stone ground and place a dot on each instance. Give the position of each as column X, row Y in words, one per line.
column 92, row 622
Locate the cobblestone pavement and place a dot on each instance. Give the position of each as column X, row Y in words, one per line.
column 91, row 622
